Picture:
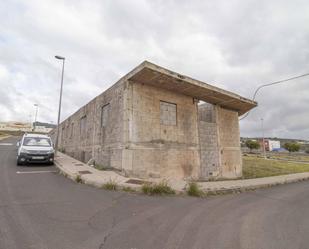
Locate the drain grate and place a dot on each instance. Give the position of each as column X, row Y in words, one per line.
column 136, row 181
column 79, row 164
column 84, row 172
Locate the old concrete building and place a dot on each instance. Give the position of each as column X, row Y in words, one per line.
column 157, row 123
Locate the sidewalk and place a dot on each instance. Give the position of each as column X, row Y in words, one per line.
column 79, row 171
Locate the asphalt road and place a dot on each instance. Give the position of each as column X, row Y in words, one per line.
column 46, row 210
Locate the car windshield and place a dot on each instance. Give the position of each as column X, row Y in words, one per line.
column 37, row 141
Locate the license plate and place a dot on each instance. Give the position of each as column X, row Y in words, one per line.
column 37, row 157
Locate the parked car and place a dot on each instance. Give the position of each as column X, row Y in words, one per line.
column 35, row 148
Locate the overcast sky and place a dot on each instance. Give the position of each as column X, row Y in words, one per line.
column 236, row 45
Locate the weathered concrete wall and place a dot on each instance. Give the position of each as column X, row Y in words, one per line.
column 219, row 142
column 88, row 138
column 154, row 132
column 153, row 148
column 229, row 142
column 208, row 137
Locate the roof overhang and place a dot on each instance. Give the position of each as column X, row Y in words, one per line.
column 149, row 73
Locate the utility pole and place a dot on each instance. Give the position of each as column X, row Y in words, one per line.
column 263, row 138
column 60, row 100
column 36, row 115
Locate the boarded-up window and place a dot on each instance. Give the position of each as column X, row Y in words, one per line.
column 72, row 130
column 104, row 115
column 83, row 123
column 168, row 113
column 207, row 113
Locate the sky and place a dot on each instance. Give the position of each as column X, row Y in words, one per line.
column 236, row 45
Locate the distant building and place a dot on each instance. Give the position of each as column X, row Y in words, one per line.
column 43, row 127
column 270, row 145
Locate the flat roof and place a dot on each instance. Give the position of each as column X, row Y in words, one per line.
column 149, row 73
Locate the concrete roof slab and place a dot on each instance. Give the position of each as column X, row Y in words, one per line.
column 149, row 73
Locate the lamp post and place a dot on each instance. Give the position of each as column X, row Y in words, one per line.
column 271, row 84
column 263, row 139
column 36, row 115
column 60, row 99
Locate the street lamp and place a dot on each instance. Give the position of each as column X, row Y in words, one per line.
column 271, row 84
column 60, row 99
column 36, row 115
column 263, row 137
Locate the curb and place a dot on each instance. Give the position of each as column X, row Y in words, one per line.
column 181, row 190
column 98, row 184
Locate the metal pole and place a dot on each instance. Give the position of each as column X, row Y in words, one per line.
column 263, row 139
column 59, row 110
column 30, row 122
column 270, row 84
column 36, row 114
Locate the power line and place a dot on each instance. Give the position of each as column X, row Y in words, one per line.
column 270, row 84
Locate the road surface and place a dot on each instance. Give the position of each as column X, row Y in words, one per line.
column 41, row 209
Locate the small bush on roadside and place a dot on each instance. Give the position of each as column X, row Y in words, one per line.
column 78, row 179
column 161, row 188
column 252, row 145
column 100, row 166
column 194, row 190
column 291, row 147
column 110, row 185
column 62, row 150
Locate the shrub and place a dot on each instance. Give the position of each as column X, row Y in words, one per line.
column 110, row 185
column 194, row 190
column 78, row 179
column 291, row 147
column 252, row 145
column 161, row 188
column 99, row 166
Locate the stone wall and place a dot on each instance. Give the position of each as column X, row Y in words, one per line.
column 208, row 135
column 156, row 147
column 86, row 135
column 229, row 137
column 219, row 142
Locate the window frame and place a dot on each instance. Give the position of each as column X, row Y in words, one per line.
column 170, row 103
column 80, row 124
column 103, row 123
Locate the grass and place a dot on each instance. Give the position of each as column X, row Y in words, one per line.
column 290, row 157
column 161, row 188
column 110, row 185
column 102, row 167
column 255, row 167
column 2, row 134
column 78, row 179
column 128, row 189
column 194, row 190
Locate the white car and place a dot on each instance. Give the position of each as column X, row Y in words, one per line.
column 35, row 148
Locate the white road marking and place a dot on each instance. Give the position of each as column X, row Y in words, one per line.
column 36, row 172
column 6, row 144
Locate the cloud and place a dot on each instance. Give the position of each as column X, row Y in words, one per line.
column 233, row 44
